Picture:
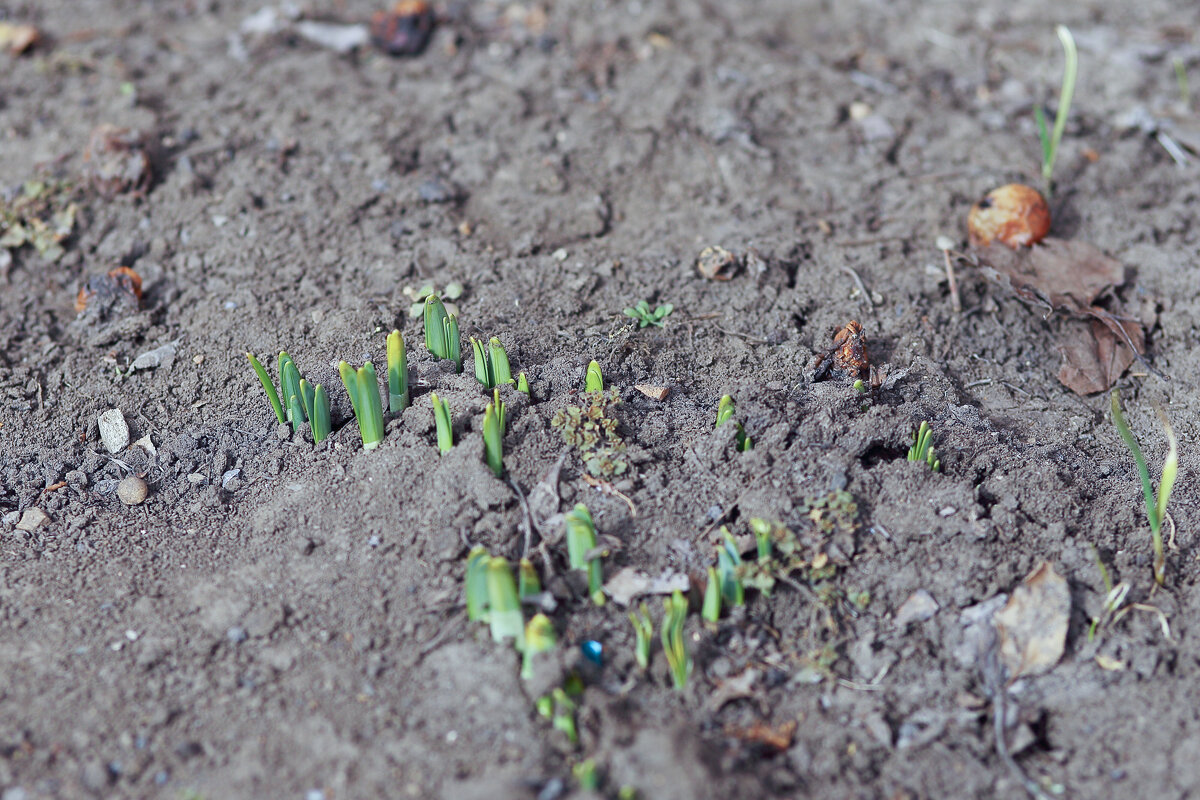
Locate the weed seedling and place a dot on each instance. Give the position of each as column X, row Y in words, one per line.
column 642, row 313
column 1050, row 141
column 581, row 549
column 674, row 647
column 594, row 433
column 504, row 606
column 441, row 332
column 493, row 434
column 539, row 638
column 922, row 447
column 491, row 363
column 594, row 380
column 441, row 417
column 1156, row 506
column 363, row 388
column 397, row 361
column 643, row 631
column 725, row 412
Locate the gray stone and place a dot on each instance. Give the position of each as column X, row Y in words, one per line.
column 114, row 431
column 32, row 519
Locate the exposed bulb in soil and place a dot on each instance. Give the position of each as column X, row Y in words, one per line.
column 1014, row 215
column 132, row 490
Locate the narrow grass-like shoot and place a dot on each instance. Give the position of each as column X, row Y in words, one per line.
column 272, row 395
column 523, row 383
column 528, row 583
column 729, row 562
column 441, row 332
column 504, row 606
column 441, row 416
column 289, row 383
column 762, row 537
column 316, row 408
column 922, row 447
column 581, row 542
column 674, row 647
column 643, row 632
column 564, row 715
column 1156, row 507
column 725, row 411
column 539, row 638
column 493, row 435
column 711, row 612
column 586, row 775
column 1051, row 141
column 477, row 586
column 363, row 387
column 491, row 363
column 594, row 382
column 397, row 361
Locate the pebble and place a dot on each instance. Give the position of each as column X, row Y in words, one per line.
column 114, row 431
column 32, row 519
column 919, row 607
column 132, row 490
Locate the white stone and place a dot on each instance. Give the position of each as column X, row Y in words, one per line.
column 114, row 431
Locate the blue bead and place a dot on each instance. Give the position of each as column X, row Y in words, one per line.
column 592, row 651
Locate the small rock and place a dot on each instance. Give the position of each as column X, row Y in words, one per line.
column 236, row 635
column 32, row 519
column 11, row 518
column 160, row 356
column 77, row 478
column 919, row 607
column 196, row 478
column 146, row 445
column 132, row 491
column 114, row 431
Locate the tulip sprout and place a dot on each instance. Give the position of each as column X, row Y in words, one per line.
column 581, row 547
column 504, row 607
column 674, row 648
column 725, row 411
column 643, row 630
column 1156, row 506
column 594, row 382
column 922, row 447
column 289, row 383
column 363, row 388
column 441, row 416
column 491, row 363
column 539, row 639
column 1051, row 141
column 477, row 587
column 302, row 400
column 528, row 583
column 397, row 361
column 441, row 332
column 493, row 434
column 522, row 383
column 729, row 563
column 316, row 408
column 711, row 611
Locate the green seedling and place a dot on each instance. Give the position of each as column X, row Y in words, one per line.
column 504, row 606
column 1051, row 141
column 493, row 434
column 289, row 385
column 539, row 639
column 643, row 632
column 397, row 361
column 1113, row 599
column 594, row 380
column 1156, row 506
column 272, row 395
column 441, row 332
column 523, row 384
column 642, row 313
column 711, row 611
column 491, row 363
column 729, row 564
column 363, row 388
column 1181, row 80
column 316, row 408
column 581, row 549
column 441, row 417
column 528, row 583
column 674, row 647
column 586, row 775
column 477, row 584
column 594, row 433
column 859, row 386
column 762, row 537
column 563, row 719
column 725, row 411
column 922, row 447
column 451, row 291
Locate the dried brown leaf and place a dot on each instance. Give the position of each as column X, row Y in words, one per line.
column 1032, row 626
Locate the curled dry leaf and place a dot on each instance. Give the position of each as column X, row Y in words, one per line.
column 118, row 290
column 847, row 357
column 772, row 738
column 717, row 264
column 1032, row 626
column 653, row 392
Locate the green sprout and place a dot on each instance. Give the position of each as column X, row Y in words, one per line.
column 922, row 447
column 581, row 549
column 491, row 363
column 642, row 313
column 477, row 586
column 289, row 384
column 539, row 639
column 859, row 386
column 729, row 563
column 676, row 607
column 586, row 775
column 1113, row 599
column 441, row 332
column 1181, row 79
column 762, row 537
column 594, row 382
column 711, row 611
column 1050, row 141
column 493, row 434
column 504, row 607
column 522, row 383
column 363, row 388
column 272, row 395
column 528, row 583
column 397, row 361
column 643, row 631
column 441, row 416
column 725, row 411
column 316, row 408
column 563, row 719
column 1156, row 506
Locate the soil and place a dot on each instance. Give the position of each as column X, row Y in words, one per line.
column 279, row 620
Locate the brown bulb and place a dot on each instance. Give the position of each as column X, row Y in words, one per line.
column 1015, row 215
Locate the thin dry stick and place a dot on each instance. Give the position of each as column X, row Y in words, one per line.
column 955, row 302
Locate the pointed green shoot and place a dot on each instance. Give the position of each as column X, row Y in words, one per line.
column 1070, row 73
column 453, row 341
column 594, row 382
column 493, row 439
column 564, row 715
column 539, row 638
column 482, row 367
column 643, row 632
column 371, row 427
column 581, row 540
column 272, row 395
column 922, row 447
column 586, row 775
column 501, row 369
column 504, row 607
column 712, row 598
column 1170, row 468
column 674, row 647
column 762, row 537
column 435, row 327
column 397, row 361
column 523, row 384
column 1156, row 507
column 477, row 587
column 528, row 583
column 441, row 416
column 289, row 382
column 725, row 410
column 728, row 561
column 316, row 408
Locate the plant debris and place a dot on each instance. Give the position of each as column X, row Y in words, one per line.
column 847, row 358
column 18, row 38
column 1032, row 626
column 771, row 739
column 1014, row 215
column 42, row 215
column 717, row 264
column 115, row 161
column 405, row 30
column 1101, row 338
column 112, row 294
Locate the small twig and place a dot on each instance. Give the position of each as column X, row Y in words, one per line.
column 745, row 336
column 528, row 517
column 973, row 384
column 861, row 287
column 955, row 301
column 1171, row 536
column 607, row 488
column 54, row 487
